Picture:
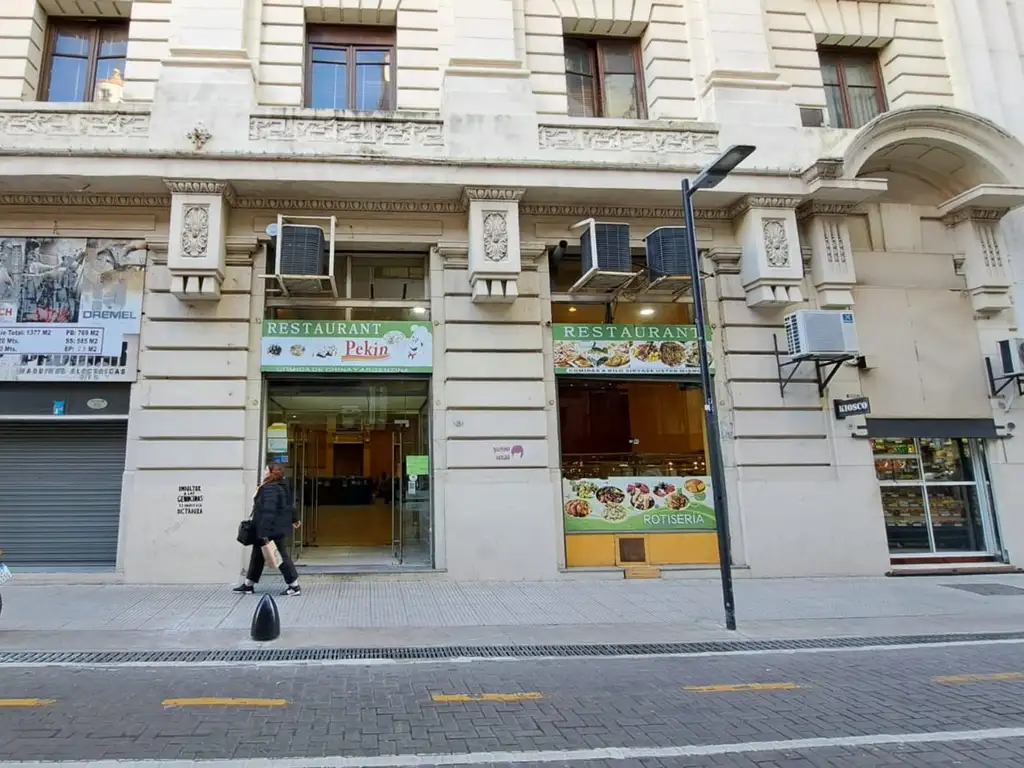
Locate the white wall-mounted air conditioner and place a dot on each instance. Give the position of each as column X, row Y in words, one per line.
column 821, row 333
column 1011, row 356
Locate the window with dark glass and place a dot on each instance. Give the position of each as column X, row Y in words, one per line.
column 350, row 68
column 853, row 87
column 80, row 55
column 603, row 78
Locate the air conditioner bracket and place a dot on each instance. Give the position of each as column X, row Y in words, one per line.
column 1003, row 381
column 825, row 368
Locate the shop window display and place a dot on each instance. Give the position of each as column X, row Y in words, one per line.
column 934, row 495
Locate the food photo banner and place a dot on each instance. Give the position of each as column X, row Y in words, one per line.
column 638, row 504
column 336, row 346
column 627, row 349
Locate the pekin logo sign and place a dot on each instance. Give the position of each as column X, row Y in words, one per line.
column 331, row 346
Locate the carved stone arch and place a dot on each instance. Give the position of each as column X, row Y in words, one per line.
column 951, row 149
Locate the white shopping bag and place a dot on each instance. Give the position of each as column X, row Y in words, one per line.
column 5, row 574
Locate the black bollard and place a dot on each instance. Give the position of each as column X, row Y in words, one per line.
column 266, row 621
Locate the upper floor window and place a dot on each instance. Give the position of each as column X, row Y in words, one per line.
column 350, row 68
column 602, row 78
column 81, row 56
column 853, row 87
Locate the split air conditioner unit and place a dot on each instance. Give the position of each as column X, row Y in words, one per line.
column 1011, row 355
column 605, row 256
column 821, row 334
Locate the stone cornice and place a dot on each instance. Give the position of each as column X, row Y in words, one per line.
column 453, row 254
column 726, row 258
column 201, row 187
column 762, row 201
column 817, row 208
column 974, row 214
column 825, row 169
column 85, row 199
column 350, row 206
column 617, row 212
column 497, row 194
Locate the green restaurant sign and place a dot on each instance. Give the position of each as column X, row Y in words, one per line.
column 626, row 349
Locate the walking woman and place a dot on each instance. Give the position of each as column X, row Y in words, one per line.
column 275, row 516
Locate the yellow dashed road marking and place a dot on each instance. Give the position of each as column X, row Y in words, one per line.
column 447, row 698
column 26, row 702
column 215, row 702
column 953, row 679
column 736, row 687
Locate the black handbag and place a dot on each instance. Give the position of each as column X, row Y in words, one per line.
column 247, row 532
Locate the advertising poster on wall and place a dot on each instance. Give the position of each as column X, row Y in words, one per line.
column 638, row 504
column 337, row 346
column 67, row 306
column 626, row 349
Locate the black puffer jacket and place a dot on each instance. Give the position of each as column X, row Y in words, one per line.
column 273, row 511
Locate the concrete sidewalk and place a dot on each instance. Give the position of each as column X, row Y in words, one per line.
column 368, row 613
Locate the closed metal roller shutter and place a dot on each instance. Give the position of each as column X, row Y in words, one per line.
column 60, row 493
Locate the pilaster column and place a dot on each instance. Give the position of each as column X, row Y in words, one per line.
column 771, row 267
column 487, row 99
column 741, row 84
column 982, row 257
column 207, row 84
column 196, row 249
column 826, row 233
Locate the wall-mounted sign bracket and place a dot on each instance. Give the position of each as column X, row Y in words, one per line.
column 996, row 384
column 825, row 368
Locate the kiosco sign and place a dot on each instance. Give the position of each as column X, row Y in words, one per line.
column 853, row 406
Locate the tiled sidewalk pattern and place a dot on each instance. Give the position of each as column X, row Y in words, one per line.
column 437, row 603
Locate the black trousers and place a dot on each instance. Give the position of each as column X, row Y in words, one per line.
column 256, row 563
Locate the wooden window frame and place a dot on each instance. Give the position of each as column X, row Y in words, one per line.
column 351, row 39
column 93, row 27
column 594, row 45
column 837, row 57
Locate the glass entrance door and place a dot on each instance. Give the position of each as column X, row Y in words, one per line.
column 359, row 460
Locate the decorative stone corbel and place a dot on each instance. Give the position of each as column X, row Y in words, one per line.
column 973, row 220
column 196, row 252
column 827, row 236
column 771, row 265
column 495, row 261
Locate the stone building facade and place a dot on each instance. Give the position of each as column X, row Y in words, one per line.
column 465, row 140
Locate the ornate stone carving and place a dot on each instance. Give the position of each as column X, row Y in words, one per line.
column 90, row 124
column 825, row 170
column 343, row 131
column 618, row 212
column 761, row 201
column 199, row 136
column 495, row 236
column 835, row 250
column 196, row 186
column 626, row 140
column 81, row 198
column 776, row 244
column 990, row 250
column 816, row 208
column 974, row 214
column 501, row 194
column 195, row 230
column 351, row 206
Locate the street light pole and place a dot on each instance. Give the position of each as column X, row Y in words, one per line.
column 710, row 177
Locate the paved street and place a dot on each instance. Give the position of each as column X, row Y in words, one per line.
column 912, row 707
column 341, row 612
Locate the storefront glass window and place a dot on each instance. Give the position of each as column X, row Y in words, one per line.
column 934, row 495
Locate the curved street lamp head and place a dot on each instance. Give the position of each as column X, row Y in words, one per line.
column 722, row 166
